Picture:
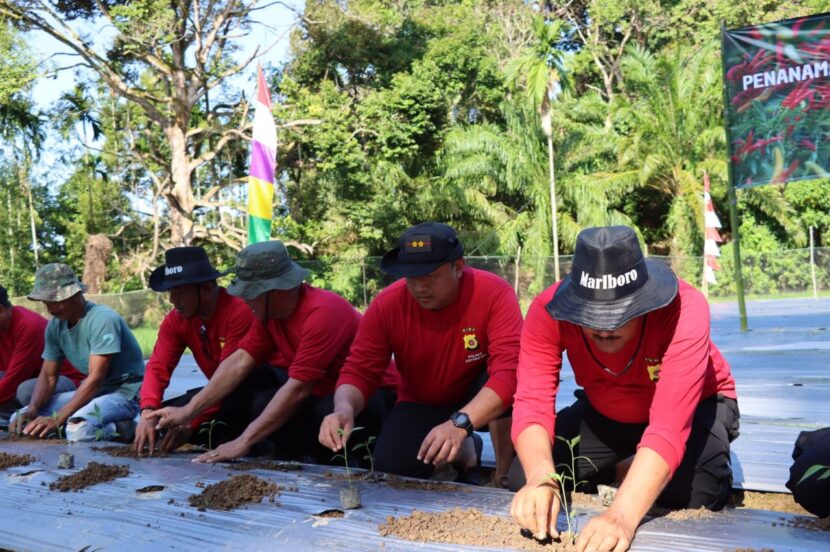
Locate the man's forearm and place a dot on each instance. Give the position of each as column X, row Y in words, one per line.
column 347, row 397
column 47, row 381
column 485, row 407
column 229, row 375
column 648, row 476
column 281, row 407
column 535, row 453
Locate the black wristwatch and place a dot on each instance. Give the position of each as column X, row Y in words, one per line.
column 460, row 419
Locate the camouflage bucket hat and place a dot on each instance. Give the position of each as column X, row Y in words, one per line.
column 265, row 266
column 55, row 282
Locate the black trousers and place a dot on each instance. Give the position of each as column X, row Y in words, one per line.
column 812, row 448
column 406, row 428
column 704, row 477
column 298, row 438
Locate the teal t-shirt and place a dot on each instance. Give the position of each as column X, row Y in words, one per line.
column 100, row 331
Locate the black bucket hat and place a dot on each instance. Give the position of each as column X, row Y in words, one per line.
column 183, row 265
column 610, row 282
column 422, row 249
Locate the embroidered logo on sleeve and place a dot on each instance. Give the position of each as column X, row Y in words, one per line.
column 653, row 367
column 107, row 339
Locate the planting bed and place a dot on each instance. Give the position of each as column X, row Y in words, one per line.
column 234, row 492
column 92, row 474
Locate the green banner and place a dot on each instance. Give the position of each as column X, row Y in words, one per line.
column 777, row 79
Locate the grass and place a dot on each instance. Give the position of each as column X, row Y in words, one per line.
column 146, row 336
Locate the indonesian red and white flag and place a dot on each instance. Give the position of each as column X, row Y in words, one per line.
column 711, row 223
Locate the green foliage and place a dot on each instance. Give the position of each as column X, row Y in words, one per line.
column 59, row 427
column 566, row 475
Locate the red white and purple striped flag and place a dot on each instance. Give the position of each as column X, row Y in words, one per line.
column 262, row 166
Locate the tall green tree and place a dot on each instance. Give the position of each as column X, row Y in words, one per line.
column 540, row 71
column 165, row 58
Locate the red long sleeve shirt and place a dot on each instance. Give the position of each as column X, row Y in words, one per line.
column 227, row 326
column 439, row 354
column 676, row 367
column 21, row 347
column 312, row 343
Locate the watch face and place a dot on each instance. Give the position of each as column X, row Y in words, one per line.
column 459, row 419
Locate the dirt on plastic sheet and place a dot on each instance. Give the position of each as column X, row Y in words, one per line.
column 122, row 451
column 234, row 492
column 13, row 460
column 19, row 437
column 425, row 485
column 271, row 465
column 778, row 502
column 92, row 474
column 810, row 523
column 465, row 527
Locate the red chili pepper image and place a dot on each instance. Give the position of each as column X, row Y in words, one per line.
column 807, row 144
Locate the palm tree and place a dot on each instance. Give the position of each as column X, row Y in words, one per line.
column 541, row 71
column 497, row 175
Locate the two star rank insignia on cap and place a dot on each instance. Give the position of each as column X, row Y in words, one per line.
column 418, row 244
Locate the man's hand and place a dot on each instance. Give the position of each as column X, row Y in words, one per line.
column 170, row 416
column 536, row 507
column 145, row 432
column 336, row 428
column 227, row 451
column 175, row 437
column 42, row 427
column 608, row 532
column 22, row 418
column 442, row 444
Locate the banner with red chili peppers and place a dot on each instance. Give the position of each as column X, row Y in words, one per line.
column 778, row 92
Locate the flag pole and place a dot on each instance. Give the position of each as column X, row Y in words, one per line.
column 732, row 195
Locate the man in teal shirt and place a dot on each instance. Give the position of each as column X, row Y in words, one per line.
column 97, row 341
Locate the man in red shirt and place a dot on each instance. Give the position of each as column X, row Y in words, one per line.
column 205, row 319
column 454, row 332
column 21, row 347
column 309, row 329
column 658, row 409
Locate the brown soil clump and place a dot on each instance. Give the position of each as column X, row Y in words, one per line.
column 121, row 451
column 234, row 492
column 92, row 474
column 270, row 465
column 12, row 460
column 779, row 502
column 753, row 550
column 465, row 527
column 810, row 523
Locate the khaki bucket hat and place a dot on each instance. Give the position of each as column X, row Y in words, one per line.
column 265, row 266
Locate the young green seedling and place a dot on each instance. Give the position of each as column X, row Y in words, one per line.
column 368, row 456
column 345, row 454
column 208, row 427
column 568, row 473
column 54, row 417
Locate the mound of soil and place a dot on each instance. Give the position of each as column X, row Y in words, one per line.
column 682, row 515
column 12, row 460
column 465, row 527
column 92, row 474
column 234, row 492
column 271, row 465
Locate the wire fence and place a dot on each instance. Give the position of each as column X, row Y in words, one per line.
column 792, row 271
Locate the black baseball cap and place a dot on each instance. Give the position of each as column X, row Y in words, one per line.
column 421, row 249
